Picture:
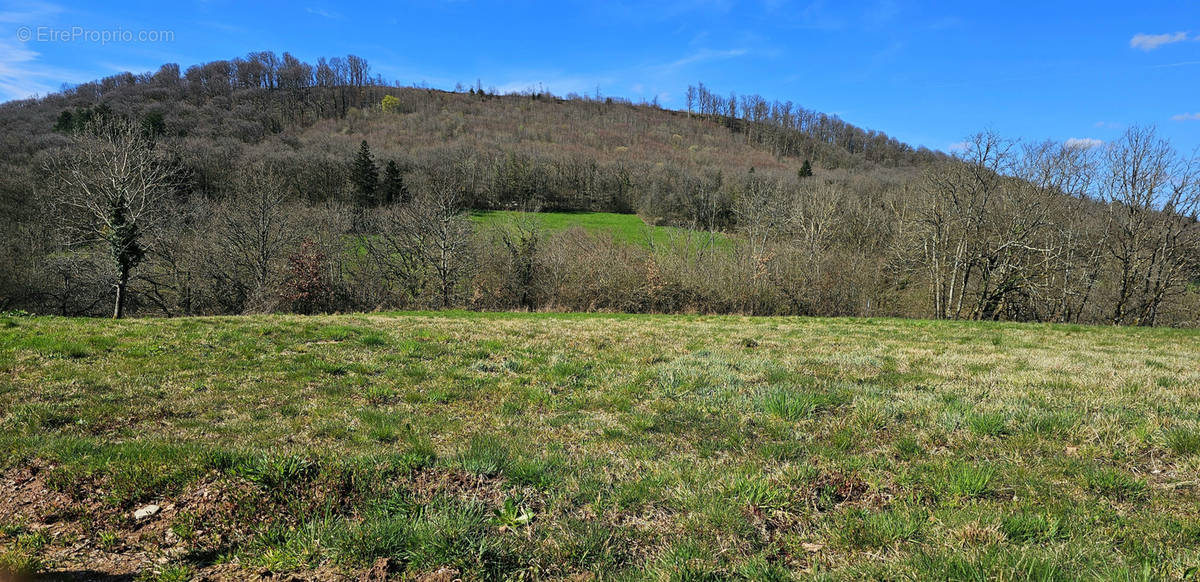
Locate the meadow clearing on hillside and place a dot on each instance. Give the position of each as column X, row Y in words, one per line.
column 626, row 228
column 547, row 446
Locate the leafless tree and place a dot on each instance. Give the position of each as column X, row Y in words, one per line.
column 441, row 230
column 1153, row 196
column 1063, row 176
column 978, row 228
column 522, row 239
column 427, row 242
column 253, row 232
column 109, row 186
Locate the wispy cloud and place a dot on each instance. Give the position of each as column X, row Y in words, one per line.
column 22, row 73
column 881, row 14
column 944, row 23
column 323, row 13
column 671, row 11
column 1083, row 143
column 818, row 15
column 15, row 73
column 1179, row 64
column 31, row 13
column 646, row 80
column 121, row 68
column 1109, row 124
column 22, row 76
column 558, row 84
column 1186, row 117
column 959, row 146
column 705, row 55
column 1149, row 42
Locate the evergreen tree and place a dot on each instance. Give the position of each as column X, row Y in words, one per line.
column 65, row 123
column 365, row 176
column 153, row 125
column 805, row 170
column 393, row 184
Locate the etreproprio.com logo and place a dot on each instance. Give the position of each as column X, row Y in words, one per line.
column 94, row 35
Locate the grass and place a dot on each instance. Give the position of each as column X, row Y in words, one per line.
column 545, row 446
column 628, row 228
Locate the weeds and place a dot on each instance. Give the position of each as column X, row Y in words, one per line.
column 550, row 446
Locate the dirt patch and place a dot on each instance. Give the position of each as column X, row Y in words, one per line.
column 379, row 571
column 86, row 536
column 836, row 489
column 429, row 483
column 440, row 575
column 81, row 537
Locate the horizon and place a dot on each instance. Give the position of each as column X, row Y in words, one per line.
column 923, row 76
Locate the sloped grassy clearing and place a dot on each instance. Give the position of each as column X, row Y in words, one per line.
column 626, row 228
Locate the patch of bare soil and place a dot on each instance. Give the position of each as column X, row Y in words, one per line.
column 87, row 539
column 428, row 483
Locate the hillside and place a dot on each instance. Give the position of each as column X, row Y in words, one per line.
column 498, row 446
column 626, row 228
column 289, row 186
column 534, row 141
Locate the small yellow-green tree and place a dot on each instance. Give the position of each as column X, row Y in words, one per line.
column 389, row 103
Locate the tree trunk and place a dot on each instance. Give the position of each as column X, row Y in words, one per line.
column 122, row 283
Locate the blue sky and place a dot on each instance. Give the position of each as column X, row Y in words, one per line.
column 927, row 73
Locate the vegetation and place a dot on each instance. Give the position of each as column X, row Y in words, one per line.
column 489, row 446
column 626, row 228
column 270, row 162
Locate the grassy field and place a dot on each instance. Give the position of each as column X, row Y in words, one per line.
column 515, row 446
column 628, row 228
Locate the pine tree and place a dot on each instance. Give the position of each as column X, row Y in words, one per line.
column 393, row 184
column 365, row 176
column 65, row 123
column 805, row 170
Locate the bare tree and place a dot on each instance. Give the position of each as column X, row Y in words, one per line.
column 1153, row 196
column 427, row 242
column 441, row 230
column 762, row 210
column 253, row 233
column 963, row 198
column 522, row 239
column 1064, row 176
column 109, row 186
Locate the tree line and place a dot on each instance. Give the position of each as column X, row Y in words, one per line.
column 271, row 185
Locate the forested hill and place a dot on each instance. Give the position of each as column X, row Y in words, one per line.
column 530, row 149
column 297, row 186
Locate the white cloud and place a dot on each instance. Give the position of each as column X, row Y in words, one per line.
column 1084, row 143
column 704, row 55
column 645, row 81
column 323, row 13
column 22, row 72
column 959, row 146
column 1186, row 117
column 31, row 14
column 558, row 85
column 21, row 76
column 1179, row 64
column 1149, row 42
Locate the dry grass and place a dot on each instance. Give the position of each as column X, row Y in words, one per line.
column 643, row 446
